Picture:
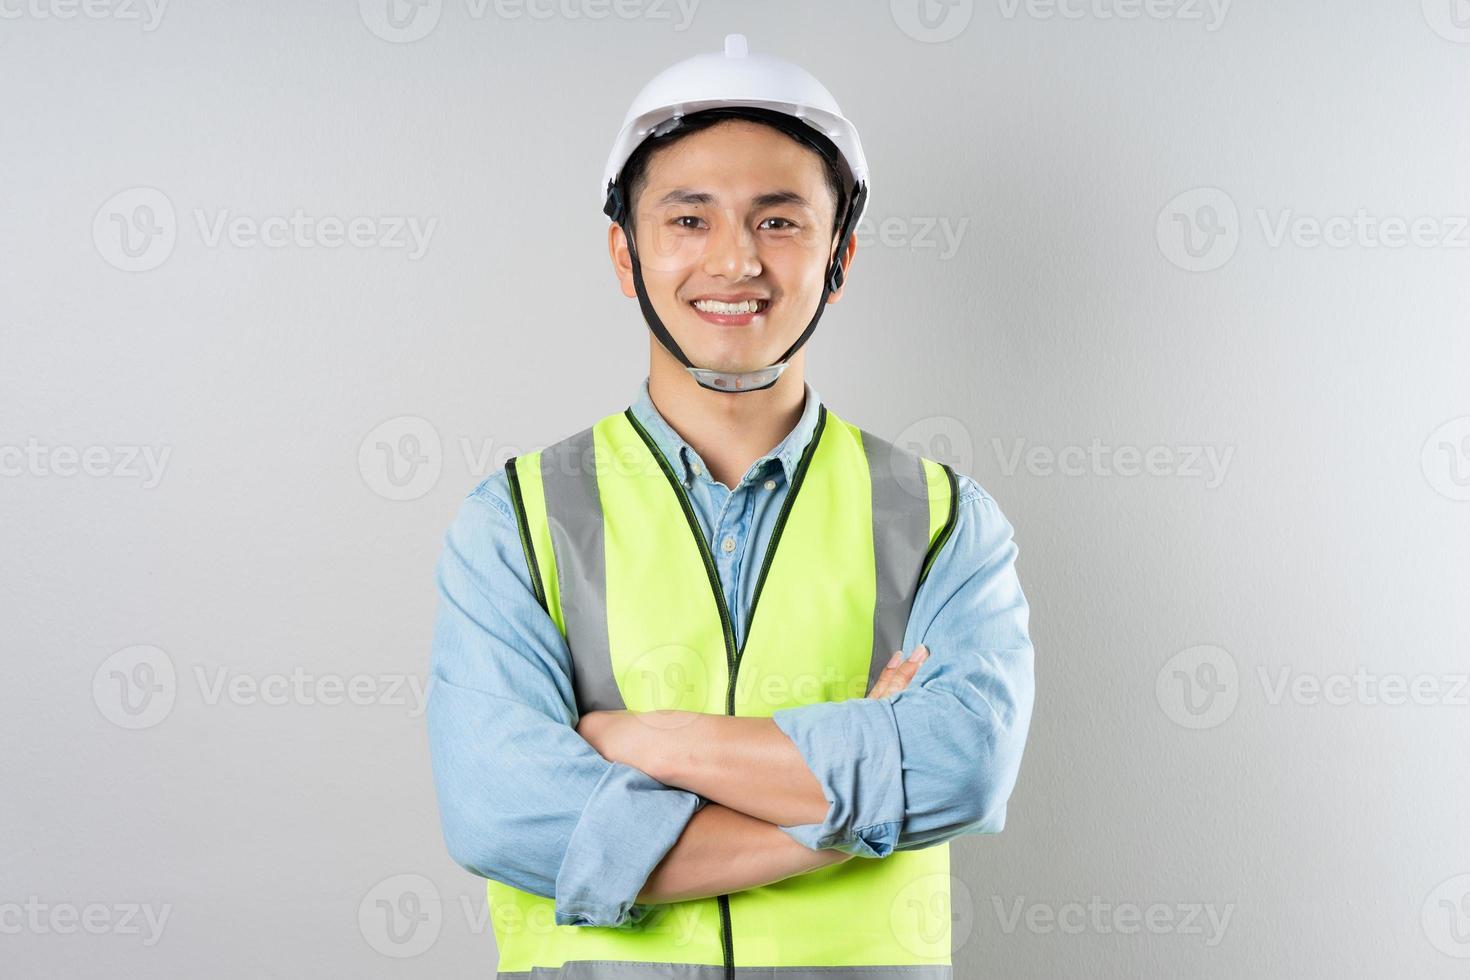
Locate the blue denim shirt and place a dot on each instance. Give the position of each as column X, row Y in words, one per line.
column 524, row 800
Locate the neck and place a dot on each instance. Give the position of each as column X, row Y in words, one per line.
column 730, row 431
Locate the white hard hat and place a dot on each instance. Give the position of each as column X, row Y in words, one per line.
column 735, row 77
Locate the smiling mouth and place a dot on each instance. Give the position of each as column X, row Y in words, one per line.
column 723, row 314
column 720, row 308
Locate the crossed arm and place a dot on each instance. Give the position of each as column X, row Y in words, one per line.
column 595, row 813
column 755, row 777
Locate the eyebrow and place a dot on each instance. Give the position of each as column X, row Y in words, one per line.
column 683, row 195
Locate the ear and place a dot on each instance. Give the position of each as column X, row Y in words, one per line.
column 622, row 259
column 846, row 259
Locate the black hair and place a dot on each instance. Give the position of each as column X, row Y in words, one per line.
column 635, row 172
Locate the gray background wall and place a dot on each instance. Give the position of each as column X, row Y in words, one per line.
column 1090, row 269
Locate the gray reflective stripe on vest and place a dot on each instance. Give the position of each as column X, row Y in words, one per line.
column 900, row 540
column 574, row 515
column 622, row 970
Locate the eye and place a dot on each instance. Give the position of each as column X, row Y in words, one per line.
column 788, row 224
column 686, row 217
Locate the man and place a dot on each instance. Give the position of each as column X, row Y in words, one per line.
column 656, row 781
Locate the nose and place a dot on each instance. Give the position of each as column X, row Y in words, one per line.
column 730, row 251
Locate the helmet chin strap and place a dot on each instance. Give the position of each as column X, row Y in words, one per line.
column 731, row 382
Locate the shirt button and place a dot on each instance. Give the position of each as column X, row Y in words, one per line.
column 697, row 469
column 727, row 545
column 770, row 484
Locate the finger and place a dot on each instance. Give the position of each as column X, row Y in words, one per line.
column 908, row 669
column 896, row 676
column 885, row 677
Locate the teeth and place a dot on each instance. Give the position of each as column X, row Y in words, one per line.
column 727, row 309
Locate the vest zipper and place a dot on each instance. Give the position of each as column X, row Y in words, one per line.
column 797, row 479
column 523, row 524
column 732, row 653
column 949, row 523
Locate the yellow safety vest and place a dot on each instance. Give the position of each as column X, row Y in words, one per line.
column 618, row 559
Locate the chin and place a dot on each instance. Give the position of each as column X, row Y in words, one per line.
column 731, row 357
column 737, row 350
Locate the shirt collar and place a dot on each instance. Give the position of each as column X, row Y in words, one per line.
column 682, row 456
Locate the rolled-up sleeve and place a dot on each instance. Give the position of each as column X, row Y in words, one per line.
column 853, row 749
column 940, row 758
column 523, row 799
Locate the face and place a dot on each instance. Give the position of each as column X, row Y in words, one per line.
column 737, row 212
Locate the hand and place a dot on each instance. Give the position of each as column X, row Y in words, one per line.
column 896, row 676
